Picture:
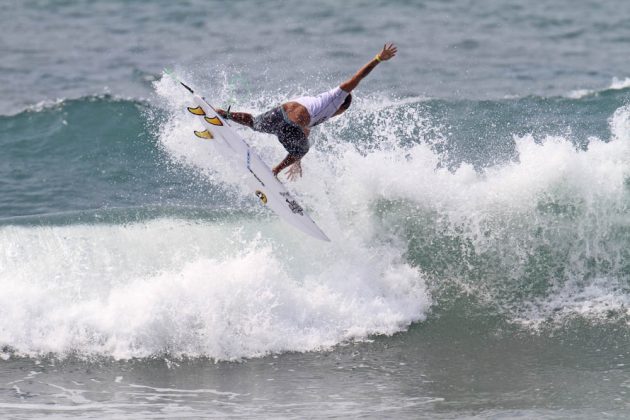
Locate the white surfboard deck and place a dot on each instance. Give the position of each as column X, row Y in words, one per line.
column 257, row 174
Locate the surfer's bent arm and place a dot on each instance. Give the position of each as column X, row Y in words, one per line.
column 240, row 117
column 386, row 53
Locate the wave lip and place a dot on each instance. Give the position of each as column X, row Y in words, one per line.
column 615, row 84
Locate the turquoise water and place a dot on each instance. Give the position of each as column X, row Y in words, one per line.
column 476, row 195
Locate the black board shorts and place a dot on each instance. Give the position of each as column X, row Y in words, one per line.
column 289, row 133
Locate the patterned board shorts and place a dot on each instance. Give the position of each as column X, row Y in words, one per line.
column 289, row 133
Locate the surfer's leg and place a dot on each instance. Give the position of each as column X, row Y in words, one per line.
column 294, row 141
column 269, row 122
column 290, row 134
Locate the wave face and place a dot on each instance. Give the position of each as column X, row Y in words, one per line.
column 122, row 235
column 84, row 153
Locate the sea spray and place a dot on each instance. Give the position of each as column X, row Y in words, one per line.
column 195, row 289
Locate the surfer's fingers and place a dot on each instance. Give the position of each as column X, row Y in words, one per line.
column 389, row 50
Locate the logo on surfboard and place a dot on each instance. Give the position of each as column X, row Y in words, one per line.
column 295, row 207
column 262, row 196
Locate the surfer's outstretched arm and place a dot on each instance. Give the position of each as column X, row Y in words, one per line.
column 386, row 53
column 240, row 117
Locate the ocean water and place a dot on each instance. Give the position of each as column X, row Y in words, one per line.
column 477, row 194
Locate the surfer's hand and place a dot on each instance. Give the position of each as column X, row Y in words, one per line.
column 221, row 112
column 388, row 51
column 295, row 171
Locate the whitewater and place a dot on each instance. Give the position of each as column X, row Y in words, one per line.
column 246, row 285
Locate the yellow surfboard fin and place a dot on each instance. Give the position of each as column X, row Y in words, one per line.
column 196, row 111
column 204, row 134
column 213, row 120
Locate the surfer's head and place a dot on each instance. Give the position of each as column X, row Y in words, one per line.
column 345, row 105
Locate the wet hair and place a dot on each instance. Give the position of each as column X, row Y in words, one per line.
column 346, row 104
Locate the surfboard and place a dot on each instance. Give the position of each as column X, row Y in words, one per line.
column 258, row 176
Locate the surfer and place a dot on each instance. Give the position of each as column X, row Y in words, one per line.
column 292, row 121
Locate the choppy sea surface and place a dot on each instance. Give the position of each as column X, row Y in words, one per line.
column 477, row 195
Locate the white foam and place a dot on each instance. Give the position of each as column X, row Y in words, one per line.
column 615, row 84
column 618, row 84
column 580, row 93
column 501, row 211
column 595, row 301
column 195, row 289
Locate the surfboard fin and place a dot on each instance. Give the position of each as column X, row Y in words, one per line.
column 204, row 134
column 213, row 120
column 196, row 111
